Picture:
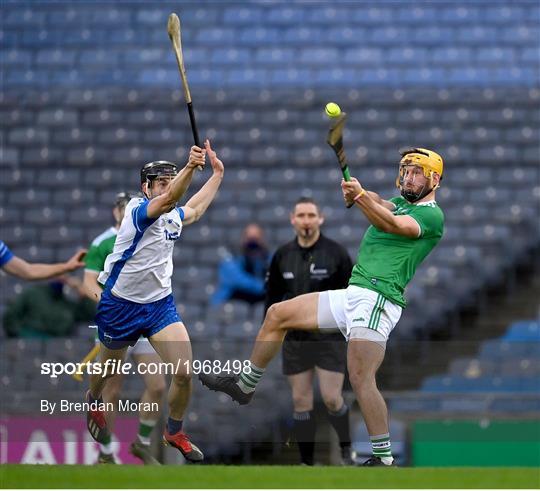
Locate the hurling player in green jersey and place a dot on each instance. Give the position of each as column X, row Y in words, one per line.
column 403, row 232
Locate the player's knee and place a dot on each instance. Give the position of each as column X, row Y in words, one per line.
column 302, row 402
column 108, row 377
column 361, row 380
column 114, row 380
column 272, row 315
column 181, row 379
column 275, row 316
column 155, row 394
column 156, row 388
column 333, row 402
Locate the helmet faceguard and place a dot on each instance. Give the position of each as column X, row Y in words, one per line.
column 158, row 168
column 430, row 162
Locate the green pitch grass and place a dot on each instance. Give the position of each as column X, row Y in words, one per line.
column 218, row 476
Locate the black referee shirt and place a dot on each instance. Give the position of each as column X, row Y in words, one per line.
column 295, row 270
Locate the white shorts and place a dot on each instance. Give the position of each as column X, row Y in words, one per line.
column 358, row 313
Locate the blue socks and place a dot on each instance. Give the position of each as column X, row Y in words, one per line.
column 174, row 425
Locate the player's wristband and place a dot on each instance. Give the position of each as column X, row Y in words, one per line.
column 359, row 195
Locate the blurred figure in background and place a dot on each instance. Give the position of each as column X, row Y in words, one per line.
column 142, row 352
column 48, row 310
column 242, row 277
column 44, row 310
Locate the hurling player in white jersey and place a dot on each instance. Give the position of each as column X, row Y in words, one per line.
column 137, row 297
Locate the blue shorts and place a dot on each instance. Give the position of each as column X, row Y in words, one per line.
column 121, row 322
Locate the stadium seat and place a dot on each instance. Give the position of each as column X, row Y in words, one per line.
column 238, row 16
column 523, row 331
column 506, row 348
column 473, row 367
column 481, row 384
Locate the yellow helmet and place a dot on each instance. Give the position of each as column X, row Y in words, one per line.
column 430, row 161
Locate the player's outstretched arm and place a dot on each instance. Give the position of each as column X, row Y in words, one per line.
column 199, row 202
column 91, row 286
column 378, row 215
column 178, row 186
column 37, row 271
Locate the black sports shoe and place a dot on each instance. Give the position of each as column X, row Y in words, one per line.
column 142, row 451
column 227, row 385
column 105, row 458
column 376, row 461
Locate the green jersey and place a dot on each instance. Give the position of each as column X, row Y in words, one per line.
column 387, row 262
column 101, row 247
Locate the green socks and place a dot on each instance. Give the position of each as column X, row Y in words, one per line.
column 249, row 378
column 145, row 428
column 382, row 448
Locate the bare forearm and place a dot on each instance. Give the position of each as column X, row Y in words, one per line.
column 176, row 189
column 45, row 271
column 375, row 197
column 180, row 184
column 91, row 286
column 37, row 271
column 201, row 200
column 377, row 214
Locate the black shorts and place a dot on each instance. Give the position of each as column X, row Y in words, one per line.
column 304, row 350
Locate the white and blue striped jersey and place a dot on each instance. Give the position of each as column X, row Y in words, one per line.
column 5, row 254
column 140, row 267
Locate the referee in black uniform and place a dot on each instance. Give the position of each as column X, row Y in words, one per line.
column 310, row 263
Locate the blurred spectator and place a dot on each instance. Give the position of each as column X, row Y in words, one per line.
column 34, row 271
column 48, row 310
column 242, row 277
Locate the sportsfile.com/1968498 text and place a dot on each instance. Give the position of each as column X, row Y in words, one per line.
column 116, row 367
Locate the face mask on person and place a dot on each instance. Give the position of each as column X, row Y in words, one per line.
column 253, row 248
